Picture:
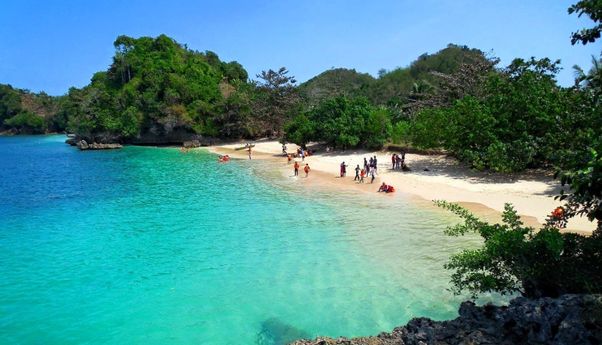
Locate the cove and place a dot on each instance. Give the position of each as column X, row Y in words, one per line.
column 149, row 245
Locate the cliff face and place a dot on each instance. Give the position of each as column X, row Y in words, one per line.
column 570, row 320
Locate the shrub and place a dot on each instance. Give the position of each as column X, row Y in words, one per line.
column 27, row 121
column 515, row 258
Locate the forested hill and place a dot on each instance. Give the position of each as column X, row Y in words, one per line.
column 25, row 112
column 156, row 88
column 394, row 87
column 397, row 86
column 335, row 82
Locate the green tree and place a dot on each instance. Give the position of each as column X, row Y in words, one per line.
column 27, row 122
column 515, row 258
column 593, row 9
column 10, row 102
column 276, row 100
column 343, row 123
column 157, row 86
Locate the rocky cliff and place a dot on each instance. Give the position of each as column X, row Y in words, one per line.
column 568, row 320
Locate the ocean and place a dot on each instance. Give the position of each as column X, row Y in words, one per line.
column 148, row 245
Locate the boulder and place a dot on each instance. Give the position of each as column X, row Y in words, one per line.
column 83, row 145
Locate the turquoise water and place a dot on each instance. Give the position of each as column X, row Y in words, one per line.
column 152, row 246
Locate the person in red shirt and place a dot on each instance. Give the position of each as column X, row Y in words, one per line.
column 306, row 169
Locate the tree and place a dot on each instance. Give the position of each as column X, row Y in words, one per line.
column 276, row 99
column 343, row 123
column 506, row 120
column 10, row 102
column 593, row 9
column 27, row 122
column 515, row 258
column 157, row 86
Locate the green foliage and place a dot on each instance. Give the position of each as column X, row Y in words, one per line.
column 10, row 102
column 157, row 85
column 400, row 132
column 299, row 130
column 342, row 123
column 27, row 122
column 585, row 194
column 593, row 9
column 401, row 86
column 14, row 102
column 510, row 127
column 276, row 100
column 333, row 83
column 515, row 258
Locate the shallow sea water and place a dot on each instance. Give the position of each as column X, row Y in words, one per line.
column 151, row 246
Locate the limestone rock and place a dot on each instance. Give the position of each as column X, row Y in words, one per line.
column 83, row 145
column 569, row 319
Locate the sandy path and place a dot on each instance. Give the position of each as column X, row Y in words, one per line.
column 532, row 194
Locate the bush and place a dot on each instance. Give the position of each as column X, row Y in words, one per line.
column 515, row 258
column 400, row 132
column 27, row 121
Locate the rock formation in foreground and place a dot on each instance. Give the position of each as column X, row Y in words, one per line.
column 570, row 320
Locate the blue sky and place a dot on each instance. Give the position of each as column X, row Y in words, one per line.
column 52, row 45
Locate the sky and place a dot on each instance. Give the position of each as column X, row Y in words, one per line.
column 53, row 45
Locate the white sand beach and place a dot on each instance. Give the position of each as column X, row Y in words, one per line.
column 433, row 177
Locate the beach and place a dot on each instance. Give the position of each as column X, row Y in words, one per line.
column 432, row 177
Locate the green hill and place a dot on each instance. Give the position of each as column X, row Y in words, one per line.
column 335, row 82
column 156, row 88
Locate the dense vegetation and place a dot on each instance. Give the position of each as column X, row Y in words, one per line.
column 518, row 259
column 157, row 86
column 334, row 83
column 458, row 99
column 342, row 123
column 25, row 112
column 515, row 258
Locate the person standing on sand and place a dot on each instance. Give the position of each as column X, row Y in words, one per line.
column 249, row 150
column 362, row 175
column 357, row 173
column 375, row 164
column 296, row 166
column 372, row 174
column 394, row 161
column 343, row 169
column 303, row 155
column 365, row 164
column 306, row 169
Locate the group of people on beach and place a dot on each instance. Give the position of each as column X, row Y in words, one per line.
column 302, row 152
column 370, row 169
column 398, row 161
column 370, row 166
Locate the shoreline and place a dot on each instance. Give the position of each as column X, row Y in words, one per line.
column 484, row 194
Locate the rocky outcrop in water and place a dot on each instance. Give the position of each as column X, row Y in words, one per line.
column 108, row 141
column 567, row 320
column 83, row 145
